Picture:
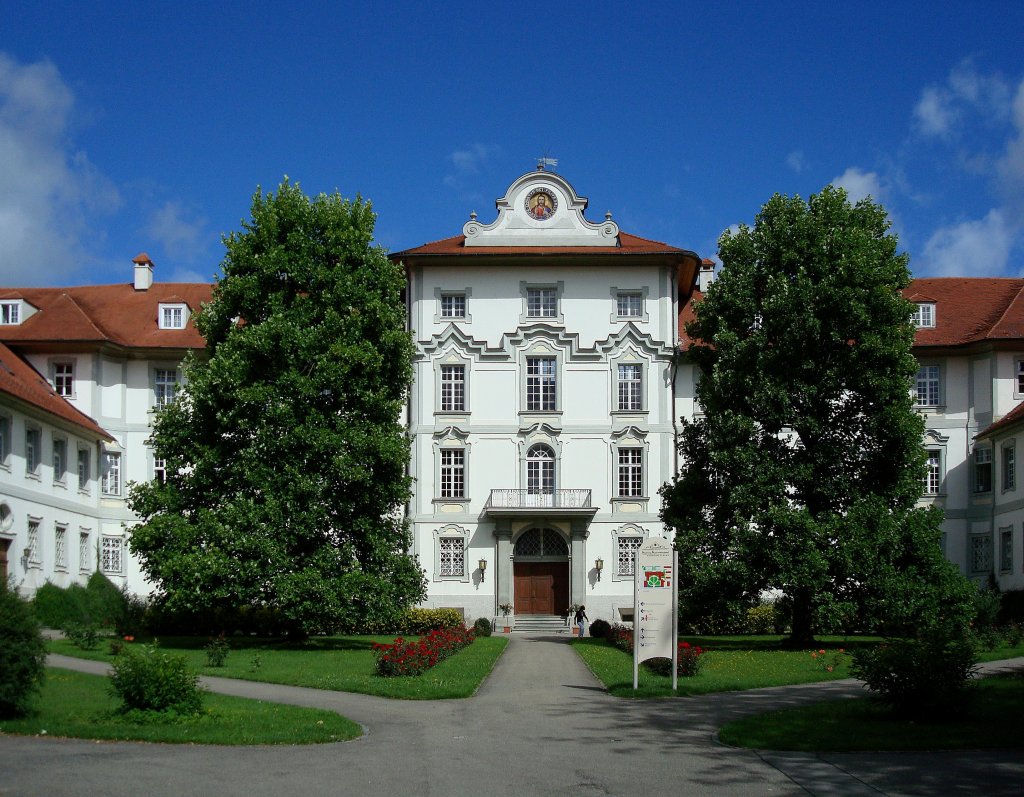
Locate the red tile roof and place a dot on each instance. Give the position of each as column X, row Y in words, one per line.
column 22, row 381
column 968, row 310
column 1010, row 419
column 115, row 314
column 628, row 245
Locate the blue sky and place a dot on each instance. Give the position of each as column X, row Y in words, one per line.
column 129, row 127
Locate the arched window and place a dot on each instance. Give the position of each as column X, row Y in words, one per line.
column 541, row 544
column 540, row 470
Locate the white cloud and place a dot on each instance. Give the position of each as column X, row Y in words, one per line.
column 860, row 184
column 468, row 161
column 971, row 248
column 796, row 161
column 1010, row 167
column 966, row 93
column 180, row 236
column 48, row 191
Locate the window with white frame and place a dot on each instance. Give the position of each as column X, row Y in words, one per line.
column 541, row 384
column 111, row 554
column 1009, row 463
column 84, row 551
column 453, row 473
column 453, row 388
column 1020, row 376
column 60, row 460
column 84, row 458
column 629, row 304
column 452, row 554
column 165, row 385
column 626, row 549
column 64, row 379
column 34, row 557
column 111, row 482
column 540, row 470
column 933, row 473
column 33, row 449
column 630, row 472
column 983, row 470
column 10, row 312
column 980, row 554
column 60, row 547
column 924, row 315
column 1006, row 549
column 927, row 386
column 160, row 470
column 630, row 387
column 542, row 302
column 453, row 305
column 173, row 316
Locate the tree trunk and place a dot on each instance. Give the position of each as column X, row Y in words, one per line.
column 802, row 634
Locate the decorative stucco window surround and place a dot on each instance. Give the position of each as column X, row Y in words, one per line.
column 112, row 554
column 112, row 477
column 542, row 302
column 626, row 541
column 60, row 547
column 979, row 553
column 172, row 315
column 451, row 468
column 541, row 369
column 934, row 481
column 84, row 550
column 452, row 305
column 35, row 553
column 1006, row 549
column 83, row 464
column 1008, row 466
column 629, row 383
column 33, row 450
column 625, row 444
column 446, row 385
column 60, row 461
column 166, row 381
column 540, row 459
column 624, row 305
column 981, row 472
column 451, row 546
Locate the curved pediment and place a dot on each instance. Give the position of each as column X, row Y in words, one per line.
column 541, row 209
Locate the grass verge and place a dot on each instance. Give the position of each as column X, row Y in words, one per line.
column 78, row 705
column 860, row 724
column 340, row 664
column 735, row 663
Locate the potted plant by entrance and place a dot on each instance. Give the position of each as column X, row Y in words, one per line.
column 506, row 610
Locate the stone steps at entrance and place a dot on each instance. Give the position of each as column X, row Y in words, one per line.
column 549, row 623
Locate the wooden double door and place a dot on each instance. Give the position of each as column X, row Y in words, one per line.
column 541, row 587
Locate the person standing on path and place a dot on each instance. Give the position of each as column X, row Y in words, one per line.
column 581, row 618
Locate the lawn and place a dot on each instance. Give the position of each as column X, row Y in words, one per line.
column 992, row 722
column 735, row 663
column 338, row 663
column 79, row 705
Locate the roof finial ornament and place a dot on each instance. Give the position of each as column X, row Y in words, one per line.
column 607, row 215
column 472, row 215
column 544, row 162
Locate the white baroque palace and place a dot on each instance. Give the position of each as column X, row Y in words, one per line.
column 547, row 392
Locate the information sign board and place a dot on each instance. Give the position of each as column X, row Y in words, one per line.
column 655, row 601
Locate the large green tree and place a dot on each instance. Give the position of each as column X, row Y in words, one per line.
column 286, row 458
column 804, row 471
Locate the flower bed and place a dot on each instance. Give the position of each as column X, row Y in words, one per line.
column 416, row 656
column 688, row 662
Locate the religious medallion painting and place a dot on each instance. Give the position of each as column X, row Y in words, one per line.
column 541, row 204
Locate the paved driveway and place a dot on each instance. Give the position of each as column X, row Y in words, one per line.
column 540, row 725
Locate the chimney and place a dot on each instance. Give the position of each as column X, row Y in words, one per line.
column 143, row 271
column 706, row 275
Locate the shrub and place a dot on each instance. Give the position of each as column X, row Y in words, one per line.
column 761, row 619
column 22, row 654
column 600, row 628
column 621, row 636
column 1011, row 608
column 414, row 657
column 920, row 678
column 83, row 635
column 422, row 621
column 131, row 613
column 217, row 650
column 482, row 627
column 56, row 607
column 149, row 679
column 688, row 662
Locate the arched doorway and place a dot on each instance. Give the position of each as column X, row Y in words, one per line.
column 541, row 572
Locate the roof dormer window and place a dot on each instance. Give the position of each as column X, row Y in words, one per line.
column 10, row 311
column 924, row 315
column 173, row 316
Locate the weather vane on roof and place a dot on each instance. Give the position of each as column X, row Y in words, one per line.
column 544, row 162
